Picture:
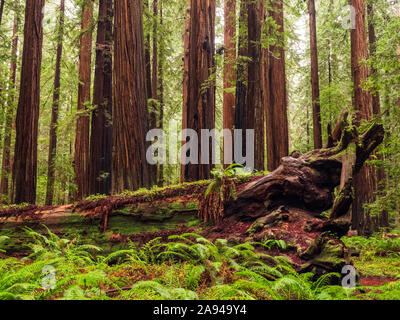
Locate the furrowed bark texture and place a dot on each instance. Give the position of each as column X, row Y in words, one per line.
column 130, row 169
column 276, row 110
column 81, row 159
column 317, row 133
column 229, row 70
column 249, row 99
column 255, row 107
column 25, row 159
column 54, row 111
column 200, row 103
column 364, row 181
column 241, row 99
column 101, row 129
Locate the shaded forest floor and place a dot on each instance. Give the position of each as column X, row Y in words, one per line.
column 150, row 244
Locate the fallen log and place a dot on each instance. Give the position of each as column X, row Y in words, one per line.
column 308, row 182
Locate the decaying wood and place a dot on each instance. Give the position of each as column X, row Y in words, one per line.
column 309, row 181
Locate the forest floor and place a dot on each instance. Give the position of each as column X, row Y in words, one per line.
column 151, row 245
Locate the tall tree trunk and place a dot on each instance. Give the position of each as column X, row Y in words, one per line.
column 154, row 86
column 200, row 104
column 6, row 161
column 1, row 10
column 27, row 119
column 81, row 161
column 229, row 70
column 364, row 181
column 160, row 177
column 54, row 111
column 130, row 169
column 185, row 82
column 315, row 77
column 255, row 108
column 376, row 107
column 276, row 110
column 101, row 129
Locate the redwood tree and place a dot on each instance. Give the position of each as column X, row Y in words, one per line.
column 199, row 105
column 315, row 76
column 6, row 161
column 101, row 129
column 25, row 153
column 229, row 61
column 81, row 159
column 130, row 169
column 276, row 109
column 249, row 111
column 54, row 110
column 364, row 181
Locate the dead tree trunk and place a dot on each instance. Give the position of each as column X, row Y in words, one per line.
column 307, row 182
column 27, row 120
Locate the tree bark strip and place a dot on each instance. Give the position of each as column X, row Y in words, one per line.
column 101, row 128
column 81, row 160
column 130, row 169
column 364, row 181
column 229, row 70
column 55, row 110
column 277, row 120
column 200, row 104
column 27, row 119
column 317, row 133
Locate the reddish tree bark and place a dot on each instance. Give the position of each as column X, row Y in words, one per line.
column 249, row 102
column 276, row 110
column 54, row 111
column 101, row 129
column 241, row 99
column 81, row 160
column 130, row 169
column 27, row 119
column 317, row 133
column 229, row 70
column 363, row 182
column 6, row 161
column 199, row 108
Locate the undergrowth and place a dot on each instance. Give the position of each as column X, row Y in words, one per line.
column 186, row 266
